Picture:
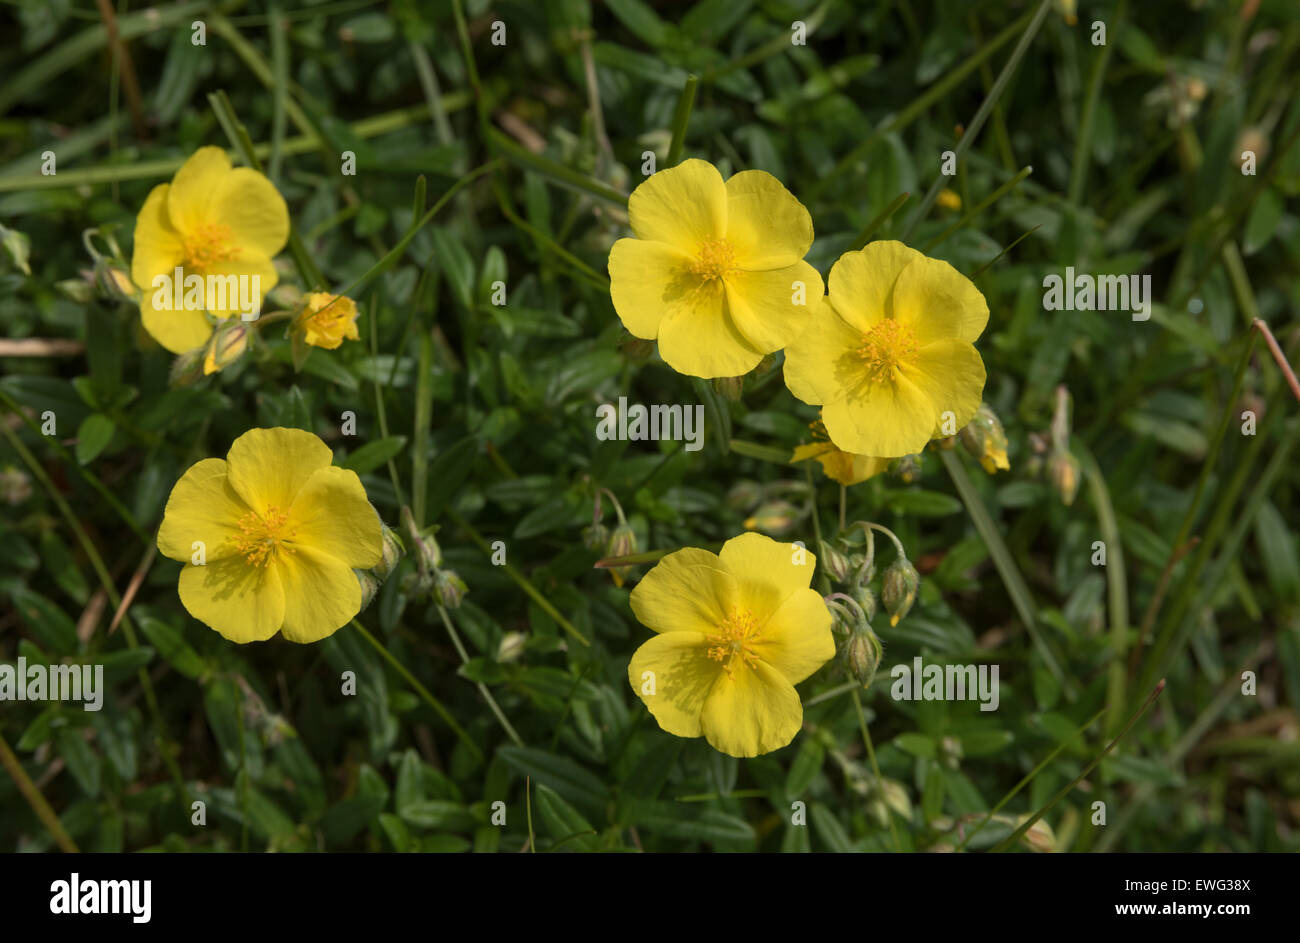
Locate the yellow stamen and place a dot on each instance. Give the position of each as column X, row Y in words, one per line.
column 207, row 245
column 884, row 347
column 715, row 259
column 262, row 536
column 735, row 639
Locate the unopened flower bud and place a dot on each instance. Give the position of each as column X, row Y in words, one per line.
column 369, row 586
column 622, row 543
column 228, row 344
column 15, row 486
column 906, row 469
column 865, row 598
column 393, row 550
column 1063, row 471
column 835, row 563
column 861, row 655
column 595, row 537
column 448, row 588
column 114, row 283
column 744, row 495
column 985, row 439
column 898, row 589
column 729, row 388
column 772, row 517
column 511, row 647
column 187, row 368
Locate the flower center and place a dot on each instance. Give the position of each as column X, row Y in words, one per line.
column 261, row 536
column 886, row 345
column 735, row 639
column 207, row 245
column 715, row 259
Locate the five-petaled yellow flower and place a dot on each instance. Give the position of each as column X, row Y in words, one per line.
column 841, row 466
column 716, row 271
column 737, row 631
column 212, row 221
column 891, row 353
column 270, row 537
column 327, row 320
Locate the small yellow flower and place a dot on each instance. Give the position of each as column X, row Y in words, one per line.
column 949, row 199
column 270, row 537
column 736, row 632
column 211, row 220
column 716, row 271
column 328, row 319
column 841, row 466
column 891, row 352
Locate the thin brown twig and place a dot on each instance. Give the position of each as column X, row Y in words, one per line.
column 126, row 69
column 1157, row 600
column 1276, row 350
column 137, row 579
column 40, row 347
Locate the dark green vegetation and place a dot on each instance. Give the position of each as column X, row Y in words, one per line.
column 480, row 418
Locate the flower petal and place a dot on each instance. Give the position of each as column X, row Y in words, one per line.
column 683, row 206
column 936, row 301
column 818, row 368
column 195, row 187
column 767, row 227
column 179, row 330
column 951, row 374
column 683, row 675
column 688, row 590
column 268, row 467
column 886, row 420
column 243, row 603
column 202, row 507
column 755, row 710
column 648, row 281
column 252, row 207
column 861, row 282
column 761, row 304
column 229, row 289
column 702, row 341
column 797, row 640
column 332, row 514
column 321, row 593
column 157, row 247
column 766, row 572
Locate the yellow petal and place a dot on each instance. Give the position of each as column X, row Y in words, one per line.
column 766, row 226
column 202, row 507
column 755, row 710
column 936, row 301
column 853, row 469
column 649, row 281
column 766, row 571
column 702, row 341
column 321, row 593
column 887, row 420
column 252, row 207
column 244, row 603
column 762, row 304
column 861, row 282
column 332, row 515
column 683, row 206
column 688, row 590
column 951, row 375
column 179, row 330
column 268, row 467
column 797, row 640
column 195, row 187
column 682, row 676
column 157, row 247
column 227, row 283
column 819, row 367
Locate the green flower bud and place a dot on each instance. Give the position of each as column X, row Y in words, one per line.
column 729, row 388
column 984, row 438
column 369, row 587
column 622, row 543
column 867, row 600
column 1063, row 472
column 835, row 563
column 898, row 589
column 861, row 655
column 773, row 517
column 906, row 469
column 744, row 495
column 448, row 588
column 393, row 550
column 511, row 647
column 187, row 368
column 595, row 537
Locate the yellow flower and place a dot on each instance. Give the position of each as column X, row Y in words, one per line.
column 949, row 199
column 716, row 271
column 891, row 353
column 737, row 632
column 328, row 319
column 841, row 466
column 270, row 537
column 214, row 222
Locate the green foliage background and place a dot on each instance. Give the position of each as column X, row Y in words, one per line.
column 481, row 418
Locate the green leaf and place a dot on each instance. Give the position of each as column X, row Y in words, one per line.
column 923, row 503
column 436, row 813
column 173, row 647
column 563, row 821
column 80, row 758
column 50, row 624
column 573, row 782
column 1262, row 222
column 93, row 436
column 373, row 454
